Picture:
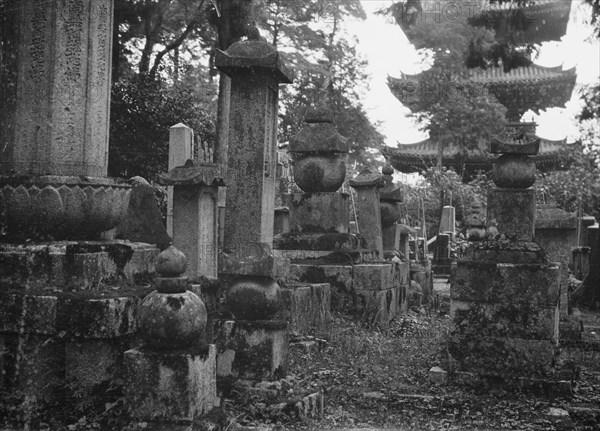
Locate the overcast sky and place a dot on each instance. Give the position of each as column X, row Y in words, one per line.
column 386, row 48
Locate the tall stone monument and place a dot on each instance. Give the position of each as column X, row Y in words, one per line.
column 505, row 293
column 246, row 261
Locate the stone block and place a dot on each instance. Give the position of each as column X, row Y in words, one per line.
column 391, row 237
column 319, row 241
column 170, row 385
column 33, row 314
column 318, row 212
column 534, row 284
column 97, row 317
column 30, row 365
column 307, row 307
column 505, row 251
column 499, row 320
column 74, row 265
column 339, row 276
column 438, row 376
column 404, row 273
column 252, row 349
column 378, row 306
column 510, row 357
column 375, row 276
column 248, row 259
column 91, row 364
column 512, row 212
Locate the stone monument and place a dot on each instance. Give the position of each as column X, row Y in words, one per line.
column 253, row 345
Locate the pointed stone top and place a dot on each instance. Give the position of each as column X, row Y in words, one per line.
column 367, row 178
column 171, row 262
column 179, row 126
column 193, row 173
column 319, row 137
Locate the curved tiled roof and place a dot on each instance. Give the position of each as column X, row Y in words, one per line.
column 409, row 158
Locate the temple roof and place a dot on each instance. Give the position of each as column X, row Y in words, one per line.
column 417, row 157
column 539, row 21
column 519, row 90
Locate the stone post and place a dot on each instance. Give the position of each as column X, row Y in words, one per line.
column 254, row 345
column 172, row 377
column 448, row 221
column 368, row 211
column 56, row 87
column 181, row 149
column 195, row 186
column 390, row 197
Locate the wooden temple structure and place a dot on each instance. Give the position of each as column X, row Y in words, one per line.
column 519, row 89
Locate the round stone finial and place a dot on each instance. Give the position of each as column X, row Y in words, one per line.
column 171, row 262
column 254, row 298
column 388, row 169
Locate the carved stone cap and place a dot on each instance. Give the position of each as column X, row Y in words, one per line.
column 256, row 56
column 319, row 115
column 319, row 138
column 391, row 193
column 367, row 179
column 529, row 148
column 193, row 173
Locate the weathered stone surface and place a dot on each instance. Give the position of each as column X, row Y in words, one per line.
column 61, row 208
column 320, row 242
column 438, row 376
column 75, row 266
column 319, row 173
column 535, row 284
column 378, row 306
column 171, row 262
column 143, row 222
column 375, row 276
column 57, row 88
column 252, row 349
column 321, row 137
column 368, row 208
column 318, row 212
column 253, row 298
column 403, row 273
column 307, row 307
column 253, row 258
column 35, row 314
column 170, row 386
column 338, row 276
column 172, row 320
column 505, row 251
column 512, row 212
column 514, row 171
column 505, row 319
column 92, row 364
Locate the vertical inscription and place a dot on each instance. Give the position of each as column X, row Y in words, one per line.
column 74, row 31
column 102, row 35
column 38, row 45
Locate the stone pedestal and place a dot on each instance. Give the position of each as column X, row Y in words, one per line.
column 320, row 212
column 253, row 349
column 195, row 233
column 171, row 385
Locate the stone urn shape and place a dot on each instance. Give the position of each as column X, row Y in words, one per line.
column 317, row 150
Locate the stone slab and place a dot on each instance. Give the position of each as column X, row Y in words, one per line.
column 536, row 284
column 319, row 241
column 499, row 320
column 378, row 306
column 318, row 212
column 307, row 307
column 170, row 386
column 504, row 251
column 512, row 212
column 375, row 276
column 74, row 266
column 34, row 314
column 252, row 349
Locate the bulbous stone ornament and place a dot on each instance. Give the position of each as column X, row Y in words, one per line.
column 390, row 213
column 254, row 298
column 319, row 173
column 172, row 317
column 514, row 171
column 390, row 197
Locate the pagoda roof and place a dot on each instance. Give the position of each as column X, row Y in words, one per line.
column 535, row 22
column 417, row 157
column 519, row 90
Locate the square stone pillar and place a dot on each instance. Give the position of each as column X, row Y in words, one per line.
column 195, row 232
column 368, row 209
column 55, row 83
column 181, row 149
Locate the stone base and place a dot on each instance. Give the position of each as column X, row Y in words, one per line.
column 72, row 266
column 172, row 385
column 318, row 212
column 307, row 307
column 512, row 212
column 252, row 259
column 329, row 241
column 353, row 257
column 376, row 291
column 255, row 350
